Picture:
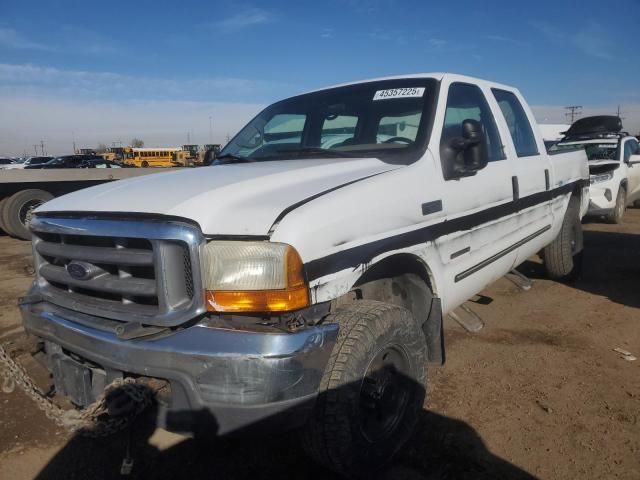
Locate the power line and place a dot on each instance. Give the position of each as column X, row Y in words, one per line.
column 573, row 112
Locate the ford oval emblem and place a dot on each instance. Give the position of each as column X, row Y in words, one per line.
column 80, row 270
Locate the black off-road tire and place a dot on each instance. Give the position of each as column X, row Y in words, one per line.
column 621, row 205
column 2, row 202
column 351, row 431
column 17, row 210
column 563, row 256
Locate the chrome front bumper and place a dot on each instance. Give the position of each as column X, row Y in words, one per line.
column 239, row 379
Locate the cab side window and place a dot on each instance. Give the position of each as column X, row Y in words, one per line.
column 467, row 102
column 519, row 127
column 630, row 148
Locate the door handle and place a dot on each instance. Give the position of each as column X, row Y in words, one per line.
column 516, row 188
column 547, row 182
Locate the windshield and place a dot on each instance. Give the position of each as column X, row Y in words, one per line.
column 386, row 119
column 602, row 151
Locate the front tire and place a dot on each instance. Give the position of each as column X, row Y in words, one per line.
column 372, row 389
column 563, row 256
column 621, row 204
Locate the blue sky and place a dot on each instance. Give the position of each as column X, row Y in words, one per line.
column 76, row 57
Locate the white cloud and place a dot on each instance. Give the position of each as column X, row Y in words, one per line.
column 9, row 38
column 508, row 40
column 326, row 33
column 591, row 39
column 64, row 39
column 248, row 17
column 437, row 42
column 25, row 121
column 30, row 80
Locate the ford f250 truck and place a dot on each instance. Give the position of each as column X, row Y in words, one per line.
column 301, row 281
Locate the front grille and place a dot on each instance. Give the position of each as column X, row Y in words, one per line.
column 141, row 271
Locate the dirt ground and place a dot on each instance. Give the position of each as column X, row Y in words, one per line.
column 538, row 393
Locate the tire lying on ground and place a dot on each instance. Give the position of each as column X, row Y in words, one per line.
column 372, row 390
column 17, row 210
column 2, row 202
column 563, row 256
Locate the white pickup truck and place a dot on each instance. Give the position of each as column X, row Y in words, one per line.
column 301, row 281
column 614, row 164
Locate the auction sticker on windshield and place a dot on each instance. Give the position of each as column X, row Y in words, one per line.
column 399, row 93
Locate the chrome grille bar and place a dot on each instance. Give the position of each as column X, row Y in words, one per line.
column 115, row 256
column 130, row 286
column 148, row 270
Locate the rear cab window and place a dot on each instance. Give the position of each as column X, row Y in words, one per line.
column 520, row 129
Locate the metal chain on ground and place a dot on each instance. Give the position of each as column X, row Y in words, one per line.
column 87, row 422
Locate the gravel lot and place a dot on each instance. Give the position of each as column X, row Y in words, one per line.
column 538, row 393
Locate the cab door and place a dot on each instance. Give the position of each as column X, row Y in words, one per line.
column 479, row 227
column 532, row 173
column 632, row 159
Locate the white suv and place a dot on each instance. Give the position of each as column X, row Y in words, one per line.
column 614, row 164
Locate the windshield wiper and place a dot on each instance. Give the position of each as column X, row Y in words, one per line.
column 316, row 150
column 232, row 158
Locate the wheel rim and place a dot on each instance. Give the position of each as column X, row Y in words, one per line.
column 26, row 211
column 384, row 393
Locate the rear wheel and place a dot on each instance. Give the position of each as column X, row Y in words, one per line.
column 563, row 256
column 144, row 164
column 18, row 209
column 372, row 389
column 621, row 204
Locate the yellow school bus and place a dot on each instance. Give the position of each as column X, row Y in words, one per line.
column 152, row 157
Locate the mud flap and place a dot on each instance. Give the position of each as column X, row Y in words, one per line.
column 434, row 333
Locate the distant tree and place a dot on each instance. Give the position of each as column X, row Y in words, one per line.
column 137, row 143
column 102, row 148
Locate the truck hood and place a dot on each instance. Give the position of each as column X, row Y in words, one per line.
column 232, row 199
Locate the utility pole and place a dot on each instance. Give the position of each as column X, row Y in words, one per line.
column 42, row 147
column 73, row 137
column 35, row 148
column 619, row 113
column 573, row 112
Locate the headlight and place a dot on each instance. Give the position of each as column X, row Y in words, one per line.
column 253, row 277
column 601, row 178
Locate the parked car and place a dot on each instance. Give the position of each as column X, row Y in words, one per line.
column 4, row 162
column 30, row 161
column 614, row 164
column 99, row 163
column 67, row 161
column 295, row 286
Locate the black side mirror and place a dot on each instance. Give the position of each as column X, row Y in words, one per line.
column 467, row 154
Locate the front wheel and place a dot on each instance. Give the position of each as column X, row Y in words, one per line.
column 563, row 256
column 618, row 211
column 372, row 390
